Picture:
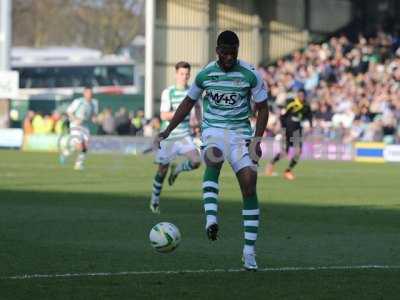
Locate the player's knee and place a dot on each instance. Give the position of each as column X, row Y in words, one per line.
column 248, row 181
column 249, row 187
column 214, row 165
column 214, row 157
column 162, row 170
column 162, row 174
column 249, row 191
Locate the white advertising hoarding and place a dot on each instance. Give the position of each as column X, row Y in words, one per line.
column 11, row 138
column 392, row 153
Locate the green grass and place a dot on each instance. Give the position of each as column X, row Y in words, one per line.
column 54, row 220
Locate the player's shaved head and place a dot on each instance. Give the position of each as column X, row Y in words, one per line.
column 227, row 38
column 227, row 49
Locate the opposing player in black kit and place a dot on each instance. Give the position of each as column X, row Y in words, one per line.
column 296, row 111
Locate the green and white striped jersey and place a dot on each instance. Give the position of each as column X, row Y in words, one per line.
column 171, row 97
column 226, row 101
column 83, row 110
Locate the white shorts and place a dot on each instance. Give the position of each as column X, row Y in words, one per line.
column 170, row 149
column 232, row 144
column 79, row 134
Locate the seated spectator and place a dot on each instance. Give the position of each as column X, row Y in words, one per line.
column 62, row 125
column 152, row 127
column 38, row 124
column 389, row 130
column 353, row 86
column 48, row 124
column 138, row 123
column 107, row 122
column 55, row 117
column 122, row 122
column 324, row 112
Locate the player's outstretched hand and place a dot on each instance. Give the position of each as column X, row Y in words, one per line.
column 255, row 150
column 161, row 136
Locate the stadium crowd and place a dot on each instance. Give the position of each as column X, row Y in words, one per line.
column 121, row 122
column 353, row 87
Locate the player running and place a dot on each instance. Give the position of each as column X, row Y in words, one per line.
column 229, row 84
column 296, row 111
column 179, row 141
column 81, row 112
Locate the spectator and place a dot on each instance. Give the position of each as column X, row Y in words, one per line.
column 48, row 124
column 152, row 127
column 62, row 125
column 353, row 87
column 107, row 122
column 38, row 124
column 55, row 117
column 27, row 126
column 138, row 123
column 122, row 121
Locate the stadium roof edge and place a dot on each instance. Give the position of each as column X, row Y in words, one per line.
column 26, row 56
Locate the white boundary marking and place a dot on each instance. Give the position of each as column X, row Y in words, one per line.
column 278, row 269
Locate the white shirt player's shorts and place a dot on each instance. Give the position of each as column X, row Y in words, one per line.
column 232, row 144
column 79, row 134
column 170, row 149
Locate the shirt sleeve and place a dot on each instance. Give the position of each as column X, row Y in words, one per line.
column 289, row 104
column 165, row 101
column 196, row 89
column 259, row 91
column 73, row 106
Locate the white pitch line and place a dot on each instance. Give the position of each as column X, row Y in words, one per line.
column 279, row 269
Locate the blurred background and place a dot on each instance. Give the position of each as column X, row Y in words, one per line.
column 344, row 53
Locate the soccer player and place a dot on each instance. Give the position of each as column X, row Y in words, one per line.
column 179, row 142
column 228, row 85
column 296, row 111
column 81, row 112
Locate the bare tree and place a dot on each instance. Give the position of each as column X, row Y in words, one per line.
column 22, row 20
column 107, row 25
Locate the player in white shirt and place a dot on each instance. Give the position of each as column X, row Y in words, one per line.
column 179, row 142
column 81, row 112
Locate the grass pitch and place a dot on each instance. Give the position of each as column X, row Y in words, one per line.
column 54, row 220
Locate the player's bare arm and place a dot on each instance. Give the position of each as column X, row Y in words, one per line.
column 262, row 117
column 181, row 113
column 262, row 112
column 198, row 113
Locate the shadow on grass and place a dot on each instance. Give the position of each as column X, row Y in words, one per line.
column 62, row 232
